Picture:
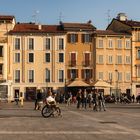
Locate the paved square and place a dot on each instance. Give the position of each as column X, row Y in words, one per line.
column 119, row 122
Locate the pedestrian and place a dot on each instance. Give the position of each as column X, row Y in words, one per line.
column 84, row 99
column 95, row 101
column 78, row 98
column 16, row 98
column 69, row 100
column 133, row 98
column 90, row 98
column 101, row 102
column 39, row 100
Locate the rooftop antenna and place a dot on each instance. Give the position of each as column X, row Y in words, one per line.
column 108, row 16
column 60, row 17
column 35, row 16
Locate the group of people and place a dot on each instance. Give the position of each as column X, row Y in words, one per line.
column 94, row 97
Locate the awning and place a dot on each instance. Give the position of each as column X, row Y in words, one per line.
column 101, row 83
column 78, row 83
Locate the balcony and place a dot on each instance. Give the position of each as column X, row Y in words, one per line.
column 86, row 63
column 72, row 63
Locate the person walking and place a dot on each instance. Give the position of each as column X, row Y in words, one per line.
column 90, row 98
column 16, row 98
column 95, row 101
column 78, row 98
column 84, row 99
column 101, row 102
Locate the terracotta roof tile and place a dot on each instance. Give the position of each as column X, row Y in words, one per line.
column 109, row 32
column 33, row 28
column 78, row 26
column 6, row 17
column 131, row 23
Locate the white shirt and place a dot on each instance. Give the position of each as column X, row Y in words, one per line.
column 50, row 99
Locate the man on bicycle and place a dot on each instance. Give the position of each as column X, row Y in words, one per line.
column 50, row 100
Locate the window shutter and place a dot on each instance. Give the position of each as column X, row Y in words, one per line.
column 76, row 73
column 82, row 38
column 68, row 74
column 68, row 38
column 82, row 73
column 76, row 35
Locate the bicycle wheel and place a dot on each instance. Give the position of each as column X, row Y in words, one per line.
column 46, row 111
column 58, row 111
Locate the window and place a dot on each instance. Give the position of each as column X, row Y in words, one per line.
column 31, row 76
column 110, row 76
column 61, row 43
column 47, row 75
column 127, row 44
column 128, row 76
column 87, row 74
column 100, row 59
column 31, row 57
column 1, row 51
column 119, row 76
column 87, row 59
column 61, row 75
column 72, row 74
column 127, row 59
column 110, row 43
column 138, row 71
column 138, row 36
column 73, row 59
column 17, row 76
column 48, row 43
column 61, row 57
column 17, row 57
column 110, row 59
column 1, row 69
column 119, row 44
column 31, row 44
column 47, row 57
column 119, row 59
column 100, row 75
column 138, row 54
column 86, row 38
column 72, row 38
column 17, row 43
column 100, row 43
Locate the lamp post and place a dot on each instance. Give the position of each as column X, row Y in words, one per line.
column 117, row 78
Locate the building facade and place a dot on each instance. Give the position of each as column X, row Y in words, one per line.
column 37, row 58
column 113, row 60
column 78, row 54
column 122, row 24
column 7, row 23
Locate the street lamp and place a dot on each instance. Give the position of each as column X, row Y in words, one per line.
column 117, row 78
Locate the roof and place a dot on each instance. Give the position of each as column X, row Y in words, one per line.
column 34, row 28
column 109, row 32
column 78, row 26
column 6, row 17
column 131, row 23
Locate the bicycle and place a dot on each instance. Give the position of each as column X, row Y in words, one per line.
column 50, row 110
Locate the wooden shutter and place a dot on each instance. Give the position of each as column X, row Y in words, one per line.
column 82, row 73
column 76, row 73
column 76, row 35
column 69, row 38
column 68, row 74
column 82, row 38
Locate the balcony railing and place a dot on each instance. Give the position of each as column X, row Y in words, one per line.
column 72, row 63
column 86, row 63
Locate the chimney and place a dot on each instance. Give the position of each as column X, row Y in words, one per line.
column 122, row 17
column 39, row 26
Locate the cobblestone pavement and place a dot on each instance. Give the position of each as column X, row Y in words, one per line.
column 119, row 122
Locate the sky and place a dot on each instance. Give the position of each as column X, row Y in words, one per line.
column 100, row 12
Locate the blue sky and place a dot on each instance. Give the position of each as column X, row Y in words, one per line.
column 48, row 11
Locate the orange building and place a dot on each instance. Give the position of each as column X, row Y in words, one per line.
column 78, row 53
